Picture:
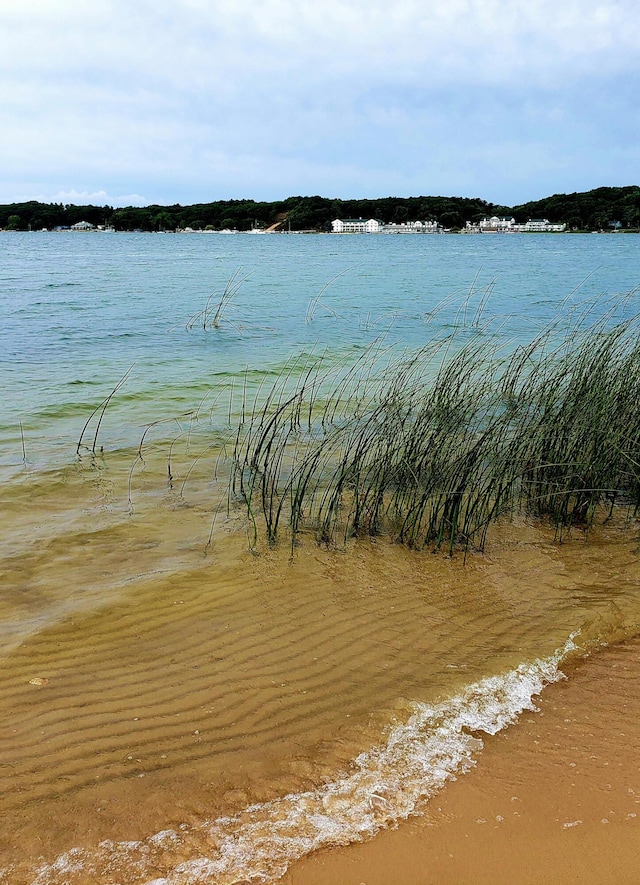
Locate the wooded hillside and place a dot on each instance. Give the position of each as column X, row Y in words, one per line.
column 598, row 209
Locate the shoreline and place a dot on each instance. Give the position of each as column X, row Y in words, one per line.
column 555, row 798
column 170, row 706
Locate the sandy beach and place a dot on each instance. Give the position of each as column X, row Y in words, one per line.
column 209, row 687
column 555, row 799
column 251, row 629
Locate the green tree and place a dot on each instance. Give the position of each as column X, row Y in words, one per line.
column 400, row 215
column 163, row 221
column 451, row 219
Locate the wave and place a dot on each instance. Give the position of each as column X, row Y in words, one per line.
column 385, row 785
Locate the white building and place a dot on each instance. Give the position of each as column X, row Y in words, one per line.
column 411, row 227
column 540, row 225
column 355, row 226
column 83, row 225
column 497, row 222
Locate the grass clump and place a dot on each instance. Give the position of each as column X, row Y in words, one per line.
column 432, row 447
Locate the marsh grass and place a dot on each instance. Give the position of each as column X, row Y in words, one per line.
column 428, row 447
column 432, row 447
column 217, row 304
column 24, row 447
column 99, row 411
column 316, row 302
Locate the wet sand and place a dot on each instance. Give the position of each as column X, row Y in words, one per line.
column 553, row 799
column 146, row 687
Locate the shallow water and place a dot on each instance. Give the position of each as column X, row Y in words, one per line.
column 77, row 311
column 203, row 718
column 179, row 711
column 555, row 798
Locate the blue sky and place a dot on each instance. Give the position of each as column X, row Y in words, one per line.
column 131, row 102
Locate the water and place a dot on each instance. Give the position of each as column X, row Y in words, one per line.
column 178, row 712
column 78, row 311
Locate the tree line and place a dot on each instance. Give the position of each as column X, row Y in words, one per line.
column 600, row 209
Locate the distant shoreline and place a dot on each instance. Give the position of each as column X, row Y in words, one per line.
column 601, row 209
column 315, row 233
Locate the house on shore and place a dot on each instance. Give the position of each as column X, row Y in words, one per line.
column 83, row 225
column 355, row 226
column 497, row 223
column 541, row 225
column 372, row 226
column 411, row 227
column 503, row 224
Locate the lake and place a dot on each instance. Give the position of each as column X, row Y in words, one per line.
column 181, row 702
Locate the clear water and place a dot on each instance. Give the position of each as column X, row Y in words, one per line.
column 175, row 718
column 77, row 311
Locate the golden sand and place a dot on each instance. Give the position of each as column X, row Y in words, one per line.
column 554, row 799
column 146, row 687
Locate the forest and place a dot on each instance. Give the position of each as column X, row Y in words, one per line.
column 604, row 208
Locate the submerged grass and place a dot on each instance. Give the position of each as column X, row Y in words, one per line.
column 436, row 445
column 428, row 447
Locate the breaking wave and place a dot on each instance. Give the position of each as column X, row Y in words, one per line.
column 384, row 785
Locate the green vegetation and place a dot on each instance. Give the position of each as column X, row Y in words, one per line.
column 593, row 210
column 429, row 448
column 439, row 444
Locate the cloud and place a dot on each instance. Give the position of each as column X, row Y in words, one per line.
column 201, row 44
column 84, row 198
column 96, row 198
column 204, row 97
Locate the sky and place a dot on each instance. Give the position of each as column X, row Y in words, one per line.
column 133, row 102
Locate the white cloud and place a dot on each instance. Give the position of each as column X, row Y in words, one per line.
column 172, row 96
column 97, row 198
column 195, row 44
column 85, row 198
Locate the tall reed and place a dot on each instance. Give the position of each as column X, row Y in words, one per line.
column 432, row 447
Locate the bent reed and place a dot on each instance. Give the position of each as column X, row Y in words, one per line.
column 431, row 447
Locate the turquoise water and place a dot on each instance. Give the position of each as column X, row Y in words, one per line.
column 77, row 311
column 179, row 710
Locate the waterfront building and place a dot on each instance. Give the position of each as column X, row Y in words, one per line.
column 497, row 222
column 372, row 226
column 504, row 224
column 411, row 227
column 540, row 225
column 355, row 226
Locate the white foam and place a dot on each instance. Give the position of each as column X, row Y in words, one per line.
column 385, row 785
